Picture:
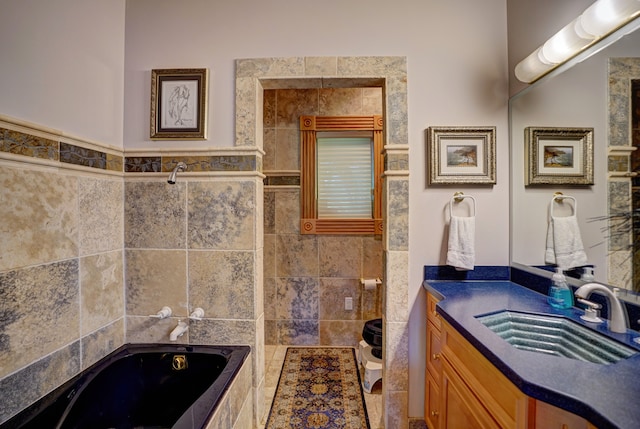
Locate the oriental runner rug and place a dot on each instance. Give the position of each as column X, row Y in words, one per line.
column 319, row 388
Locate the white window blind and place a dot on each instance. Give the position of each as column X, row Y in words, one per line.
column 344, row 177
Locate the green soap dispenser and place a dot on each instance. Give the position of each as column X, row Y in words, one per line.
column 560, row 294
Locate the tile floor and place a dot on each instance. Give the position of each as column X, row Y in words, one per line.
column 274, row 358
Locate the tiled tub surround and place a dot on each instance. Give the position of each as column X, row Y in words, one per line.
column 306, row 278
column 61, row 263
column 599, row 393
column 67, row 299
column 197, row 243
column 191, row 245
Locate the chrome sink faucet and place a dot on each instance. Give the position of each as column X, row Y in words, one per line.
column 617, row 315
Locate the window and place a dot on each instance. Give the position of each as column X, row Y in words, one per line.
column 341, row 174
column 344, row 176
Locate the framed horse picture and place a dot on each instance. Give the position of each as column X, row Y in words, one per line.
column 179, row 104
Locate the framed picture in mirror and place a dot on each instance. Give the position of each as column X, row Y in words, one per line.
column 461, row 155
column 178, row 104
column 558, row 156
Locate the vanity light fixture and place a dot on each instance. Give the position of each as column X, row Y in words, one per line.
column 598, row 21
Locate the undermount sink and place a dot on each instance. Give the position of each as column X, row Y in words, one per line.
column 556, row 336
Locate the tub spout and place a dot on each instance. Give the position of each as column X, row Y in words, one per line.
column 178, row 331
column 181, row 166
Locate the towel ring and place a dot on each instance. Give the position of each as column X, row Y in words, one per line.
column 560, row 197
column 458, row 197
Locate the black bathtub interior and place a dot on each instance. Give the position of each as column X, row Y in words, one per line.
column 140, row 386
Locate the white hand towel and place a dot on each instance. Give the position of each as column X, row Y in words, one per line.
column 461, row 249
column 564, row 243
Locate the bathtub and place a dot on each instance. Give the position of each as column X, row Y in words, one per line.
column 140, row 386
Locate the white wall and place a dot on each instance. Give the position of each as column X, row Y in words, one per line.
column 457, row 59
column 62, row 65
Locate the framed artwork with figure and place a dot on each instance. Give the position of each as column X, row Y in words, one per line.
column 179, row 104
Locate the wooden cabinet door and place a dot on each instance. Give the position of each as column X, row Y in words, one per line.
column 432, row 409
column 504, row 401
column 460, row 408
column 550, row 417
column 434, row 349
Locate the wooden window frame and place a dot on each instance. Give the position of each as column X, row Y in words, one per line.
column 309, row 127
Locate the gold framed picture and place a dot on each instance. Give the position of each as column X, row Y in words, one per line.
column 558, row 156
column 461, row 155
column 179, row 104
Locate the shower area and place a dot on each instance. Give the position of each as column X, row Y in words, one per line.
column 305, row 278
column 308, row 278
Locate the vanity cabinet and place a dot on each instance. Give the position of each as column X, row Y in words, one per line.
column 432, row 409
column 486, row 387
column 464, row 390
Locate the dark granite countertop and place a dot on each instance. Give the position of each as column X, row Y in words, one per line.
column 606, row 395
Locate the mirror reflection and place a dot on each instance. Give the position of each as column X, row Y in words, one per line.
column 598, row 93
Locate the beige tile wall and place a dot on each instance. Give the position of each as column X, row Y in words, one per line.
column 61, row 270
column 87, row 256
column 190, row 245
column 195, row 244
column 307, row 278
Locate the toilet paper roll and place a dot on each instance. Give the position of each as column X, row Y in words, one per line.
column 370, row 284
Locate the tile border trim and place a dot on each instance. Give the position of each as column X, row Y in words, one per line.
column 39, row 145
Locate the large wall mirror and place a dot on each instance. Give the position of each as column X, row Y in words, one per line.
column 593, row 94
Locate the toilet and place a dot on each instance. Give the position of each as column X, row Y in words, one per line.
column 370, row 353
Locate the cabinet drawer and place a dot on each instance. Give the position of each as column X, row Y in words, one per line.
column 434, row 351
column 432, row 316
column 432, row 402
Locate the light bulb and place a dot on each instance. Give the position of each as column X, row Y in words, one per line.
column 532, row 67
column 598, row 21
column 604, row 16
column 565, row 43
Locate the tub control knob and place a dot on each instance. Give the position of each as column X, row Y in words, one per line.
column 197, row 314
column 163, row 313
